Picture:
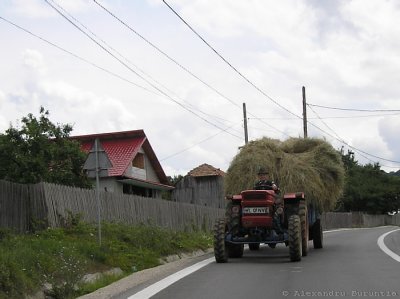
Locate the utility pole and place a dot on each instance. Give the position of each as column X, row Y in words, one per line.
column 96, row 148
column 304, row 113
column 246, row 136
column 97, row 164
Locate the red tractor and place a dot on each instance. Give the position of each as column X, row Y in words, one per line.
column 261, row 216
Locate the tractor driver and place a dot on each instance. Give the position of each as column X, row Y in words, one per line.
column 264, row 182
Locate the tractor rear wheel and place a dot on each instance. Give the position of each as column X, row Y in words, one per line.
column 304, row 228
column 318, row 236
column 295, row 244
column 235, row 250
column 254, row 246
column 220, row 248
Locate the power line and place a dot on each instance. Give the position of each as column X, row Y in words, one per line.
column 117, row 76
column 76, row 56
column 338, row 138
column 350, row 109
column 326, row 125
column 164, row 53
column 330, row 117
column 344, row 142
column 97, row 66
column 356, row 149
column 132, row 70
column 90, row 63
column 179, row 64
column 229, row 64
column 193, row 145
column 256, row 87
column 138, row 68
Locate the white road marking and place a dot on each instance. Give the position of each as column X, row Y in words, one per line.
column 167, row 281
column 353, row 228
column 383, row 247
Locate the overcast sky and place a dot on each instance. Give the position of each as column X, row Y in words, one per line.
column 346, row 54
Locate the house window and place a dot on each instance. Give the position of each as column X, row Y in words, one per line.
column 138, row 161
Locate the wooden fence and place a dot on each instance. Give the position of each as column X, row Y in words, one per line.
column 14, row 206
column 22, row 206
column 332, row 220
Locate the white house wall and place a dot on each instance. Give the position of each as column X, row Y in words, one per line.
column 147, row 174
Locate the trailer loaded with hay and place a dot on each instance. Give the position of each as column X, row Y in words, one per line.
column 311, row 177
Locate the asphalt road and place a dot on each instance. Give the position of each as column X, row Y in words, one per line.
column 351, row 265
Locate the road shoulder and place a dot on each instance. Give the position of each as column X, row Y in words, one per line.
column 144, row 278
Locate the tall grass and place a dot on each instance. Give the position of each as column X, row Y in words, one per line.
column 60, row 257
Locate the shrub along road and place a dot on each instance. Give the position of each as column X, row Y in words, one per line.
column 351, row 265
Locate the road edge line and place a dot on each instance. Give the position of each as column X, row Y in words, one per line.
column 385, row 249
column 353, row 228
column 169, row 280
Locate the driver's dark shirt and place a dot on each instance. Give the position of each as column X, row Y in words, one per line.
column 264, row 185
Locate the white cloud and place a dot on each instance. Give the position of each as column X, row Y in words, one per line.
column 389, row 130
column 32, row 9
column 40, row 9
column 33, row 59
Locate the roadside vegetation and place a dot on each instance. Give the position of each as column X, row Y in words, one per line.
column 58, row 259
column 368, row 188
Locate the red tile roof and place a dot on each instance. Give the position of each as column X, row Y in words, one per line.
column 206, row 170
column 120, row 152
column 121, row 148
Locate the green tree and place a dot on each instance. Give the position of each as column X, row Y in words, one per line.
column 368, row 188
column 41, row 151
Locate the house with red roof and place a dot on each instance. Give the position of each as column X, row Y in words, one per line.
column 134, row 168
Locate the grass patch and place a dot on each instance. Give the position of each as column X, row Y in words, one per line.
column 62, row 256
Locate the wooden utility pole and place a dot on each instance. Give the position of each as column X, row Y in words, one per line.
column 246, row 135
column 304, row 113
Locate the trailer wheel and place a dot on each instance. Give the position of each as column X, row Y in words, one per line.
column 295, row 244
column 235, row 250
column 304, row 228
column 254, row 246
column 318, row 236
column 220, row 249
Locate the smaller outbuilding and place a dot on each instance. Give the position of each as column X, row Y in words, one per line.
column 203, row 185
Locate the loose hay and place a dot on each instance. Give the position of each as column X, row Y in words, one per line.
column 310, row 165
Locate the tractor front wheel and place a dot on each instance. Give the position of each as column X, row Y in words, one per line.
column 295, row 240
column 220, row 248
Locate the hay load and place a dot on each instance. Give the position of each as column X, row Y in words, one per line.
column 311, row 165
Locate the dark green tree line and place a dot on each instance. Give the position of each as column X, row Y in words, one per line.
column 40, row 151
column 368, row 188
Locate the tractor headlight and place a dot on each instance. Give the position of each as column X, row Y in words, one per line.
column 279, row 210
column 235, row 209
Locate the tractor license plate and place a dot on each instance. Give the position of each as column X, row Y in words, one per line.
column 255, row 210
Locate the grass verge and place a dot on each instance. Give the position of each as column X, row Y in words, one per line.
column 61, row 257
